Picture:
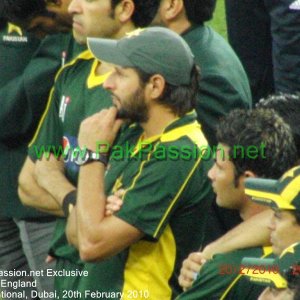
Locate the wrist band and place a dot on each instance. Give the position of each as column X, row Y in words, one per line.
column 69, row 202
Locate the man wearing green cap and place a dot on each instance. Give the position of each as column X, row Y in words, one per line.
column 283, row 196
column 153, row 84
column 219, row 277
column 278, row 274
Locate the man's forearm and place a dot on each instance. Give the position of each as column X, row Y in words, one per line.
column 50, row 176
column 250, row 233
column 71, row 229
column 31, row 194
column 90, row 202
column 99, row 237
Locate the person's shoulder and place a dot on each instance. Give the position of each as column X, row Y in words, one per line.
column 203, row 37
column 186, row 135
column 207, row 44
column 76, row 66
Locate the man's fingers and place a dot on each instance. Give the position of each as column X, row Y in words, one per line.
column 114, row 200
column 193, row 262
column 111, row 116
column 113, row 207
column 49, row 259
column 189, row 275
column 189, row 270
column 117, row 125
column 120, row 193
column 113, row 204
column 108, row 212
column 185, row 282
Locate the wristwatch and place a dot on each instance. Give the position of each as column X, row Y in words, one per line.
column 90, row 156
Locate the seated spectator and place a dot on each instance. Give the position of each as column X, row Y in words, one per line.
column 245, row 129
column 283, row 196
column 287, row 106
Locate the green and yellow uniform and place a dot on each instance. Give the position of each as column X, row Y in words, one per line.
column 23, row 95
column 14, row 44
column 28, row 68
column 221, row 277
column 167, row 196
column 77, row 94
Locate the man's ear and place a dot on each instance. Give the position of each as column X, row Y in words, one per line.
column 155, row 86
column 124, row 10
column 173, row 9
column 249, row 174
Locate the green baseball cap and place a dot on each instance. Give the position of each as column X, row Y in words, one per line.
column 279, row 194
column 154, row 50
column 274, row 272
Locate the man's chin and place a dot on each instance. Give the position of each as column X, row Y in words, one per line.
column 79, row 38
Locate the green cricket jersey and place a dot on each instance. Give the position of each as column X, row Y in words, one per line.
column 224, row 84
column 77, row 94
column 221, row 277
column 26, row 79
column 17, row 47
column 167, row 197
column 24, row 98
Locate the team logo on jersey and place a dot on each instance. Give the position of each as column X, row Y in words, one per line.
column 70, row 150
column 65, row 100
column 14, row 34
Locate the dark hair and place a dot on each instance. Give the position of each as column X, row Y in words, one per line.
column 18, row 11
column 244, row 128
column 199, row 11
column 180, row 99
column 144, row 12
column 288, row 107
